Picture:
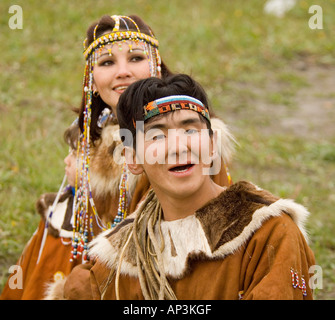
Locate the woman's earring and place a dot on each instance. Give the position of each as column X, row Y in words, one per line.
column 95, row 93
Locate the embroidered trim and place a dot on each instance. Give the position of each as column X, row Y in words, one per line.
column 296, row 282
column 172, row 103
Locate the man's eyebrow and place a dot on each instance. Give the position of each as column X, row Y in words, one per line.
column 190, row 121
column 159, row 126
column 180, row 123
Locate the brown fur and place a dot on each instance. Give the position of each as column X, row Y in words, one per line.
column 55, row 290
column 105, row 172
column 44, row 202
column 239, row 202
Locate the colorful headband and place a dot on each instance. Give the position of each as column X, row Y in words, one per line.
column 173, row 103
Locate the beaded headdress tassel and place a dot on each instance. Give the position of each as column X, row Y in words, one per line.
column 83, row 220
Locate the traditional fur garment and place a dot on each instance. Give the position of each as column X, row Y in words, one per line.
column 244, row 243
column 106, row 164
column 225, row 140
column 213, row 235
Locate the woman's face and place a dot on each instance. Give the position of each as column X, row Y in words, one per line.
column 118, row 66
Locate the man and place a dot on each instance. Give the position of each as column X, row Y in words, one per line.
column 190, row 238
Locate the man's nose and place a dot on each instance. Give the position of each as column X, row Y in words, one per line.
column 177, row 145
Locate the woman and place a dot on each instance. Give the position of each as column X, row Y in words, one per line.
column 119, row 50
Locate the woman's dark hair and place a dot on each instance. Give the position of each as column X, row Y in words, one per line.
column 106, row 24
column 137, row 95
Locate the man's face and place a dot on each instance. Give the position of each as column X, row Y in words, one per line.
column 175, row 153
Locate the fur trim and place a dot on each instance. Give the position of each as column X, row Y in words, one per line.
column 183, row 243
column 46, row 200
column 59, row 226
column 108, row 253
column 225, row 139
column 105, row 171
column 106, row 164
column 219, row 228
column 107, row 245
column 55, row 290
column 297, row 212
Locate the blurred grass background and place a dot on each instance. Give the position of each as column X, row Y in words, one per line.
column 271, row 79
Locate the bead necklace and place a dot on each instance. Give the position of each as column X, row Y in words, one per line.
column 123, row 198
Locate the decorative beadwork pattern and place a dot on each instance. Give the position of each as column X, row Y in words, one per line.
column 298, row 283
column 123, row 198
column 173, row 103
column 120, row 36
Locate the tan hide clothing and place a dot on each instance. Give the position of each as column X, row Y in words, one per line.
column 244, row 244
column 54, row 259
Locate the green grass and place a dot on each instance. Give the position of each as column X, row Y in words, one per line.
column 241, row 56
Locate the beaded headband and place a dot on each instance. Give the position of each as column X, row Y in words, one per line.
column 119, row 36
column 174, row 103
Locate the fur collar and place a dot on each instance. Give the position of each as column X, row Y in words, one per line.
column 107, row 162
column 225, row 139
column 219, row 228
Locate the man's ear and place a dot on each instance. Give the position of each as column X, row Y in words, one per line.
column 130, row 156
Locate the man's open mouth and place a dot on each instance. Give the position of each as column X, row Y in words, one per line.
column 182, row 168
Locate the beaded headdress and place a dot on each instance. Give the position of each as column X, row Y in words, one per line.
column 83, row 220
column 149, row 43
